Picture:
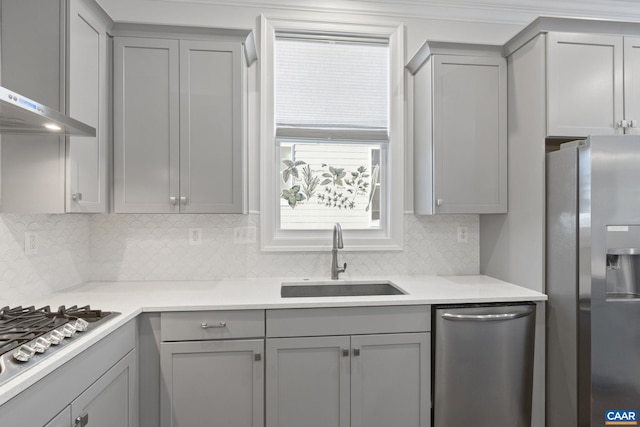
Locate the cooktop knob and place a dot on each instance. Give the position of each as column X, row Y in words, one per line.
column 67, row 330
column 80, row 325
column 40, row 345
column 55, row 337
column 24, row 353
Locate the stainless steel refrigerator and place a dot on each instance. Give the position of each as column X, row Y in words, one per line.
column 593, row 282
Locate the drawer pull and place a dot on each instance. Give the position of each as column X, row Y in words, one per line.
column 205, row 325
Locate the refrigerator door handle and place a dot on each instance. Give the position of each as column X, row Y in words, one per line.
column 484, row 317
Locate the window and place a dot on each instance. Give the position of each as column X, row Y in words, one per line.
column 332, row 136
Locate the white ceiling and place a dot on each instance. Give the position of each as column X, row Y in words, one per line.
column 506, row 11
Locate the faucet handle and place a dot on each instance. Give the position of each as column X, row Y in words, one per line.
column 343, row 268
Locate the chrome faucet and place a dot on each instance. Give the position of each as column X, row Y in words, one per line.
column 337, row 244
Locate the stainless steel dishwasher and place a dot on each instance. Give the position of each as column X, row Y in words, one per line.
column 483, row 365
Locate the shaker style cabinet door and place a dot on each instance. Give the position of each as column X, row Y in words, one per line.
column 584, row 85
column 63, row 419
column 178, row 126
column 632, row 84
column 212, row 383
column 460, row 162
column 112, row 400
column 146, row 125
column 211, row 175
column 87, row 96
column 390, row 380
column 307, row 382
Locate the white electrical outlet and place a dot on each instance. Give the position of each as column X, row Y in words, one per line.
column 195, row 236
column 244, row 235
column 30, row 243
column 463, row 234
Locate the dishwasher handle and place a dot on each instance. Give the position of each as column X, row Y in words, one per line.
column 485, row 317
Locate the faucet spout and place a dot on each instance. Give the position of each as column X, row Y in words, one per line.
column 337, row 244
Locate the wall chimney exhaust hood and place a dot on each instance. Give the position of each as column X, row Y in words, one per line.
column 20, row 115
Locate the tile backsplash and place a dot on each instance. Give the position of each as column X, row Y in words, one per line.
column 156, row 247
column 76, row 248
column 62, row 257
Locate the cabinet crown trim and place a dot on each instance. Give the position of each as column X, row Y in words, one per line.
column 431, row 47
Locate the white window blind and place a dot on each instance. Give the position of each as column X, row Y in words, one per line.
column 332, row 89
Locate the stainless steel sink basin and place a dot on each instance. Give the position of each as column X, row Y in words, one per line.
column 338, row 289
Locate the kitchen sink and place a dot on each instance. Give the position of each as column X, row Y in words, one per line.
column 338, row 289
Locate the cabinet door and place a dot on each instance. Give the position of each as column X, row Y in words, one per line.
column 208, row 383
column 87, row 102
column 112, row 400
column 211, row 166
column 146, row 120
column 632, row 83
column 390, row 380
column 584, row 84
column 469, row 134
column 63, row 419
column 307, row 382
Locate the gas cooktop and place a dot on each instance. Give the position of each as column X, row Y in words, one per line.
column 28, row 334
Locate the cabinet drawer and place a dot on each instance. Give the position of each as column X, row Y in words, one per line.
column 348, row 321
column 208, row 325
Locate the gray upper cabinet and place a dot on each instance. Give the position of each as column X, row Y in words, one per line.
column 609, row 66
column 87, row 101
column 178, row 126
column 57, row 57
column 585, row 84
column 632, row 84
column 146, row 125
column 460, row 130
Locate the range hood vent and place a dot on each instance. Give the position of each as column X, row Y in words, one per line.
column 20, row 115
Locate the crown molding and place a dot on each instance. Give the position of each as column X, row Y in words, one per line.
column 496, row 11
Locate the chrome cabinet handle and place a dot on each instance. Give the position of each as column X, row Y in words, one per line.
column 356, row 352
column 183, row 200
column 345, row 352
column 76, row 197
column 205, row 325
column 257, row 357
column 484, row 317
column 81, row 421
column 439, row 202
column 173, row 200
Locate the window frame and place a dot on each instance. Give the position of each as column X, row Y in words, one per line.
column 390, row 235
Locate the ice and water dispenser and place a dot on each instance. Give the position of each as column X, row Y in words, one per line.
column 623, row 261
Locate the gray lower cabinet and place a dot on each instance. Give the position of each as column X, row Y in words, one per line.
column 96, row 388
column 357, row 381
column 212, row 383
column 364, row 379
column 212, row 368
column 178, row 141
column 63, row 419
column 107, row 403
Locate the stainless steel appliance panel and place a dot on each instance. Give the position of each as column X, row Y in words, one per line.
column 483, row 368
column 594, row 308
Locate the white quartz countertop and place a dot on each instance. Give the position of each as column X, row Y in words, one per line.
column 133, row 298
